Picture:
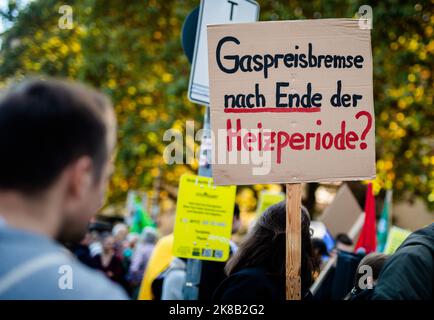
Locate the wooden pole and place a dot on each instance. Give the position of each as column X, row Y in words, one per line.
column 293, row 241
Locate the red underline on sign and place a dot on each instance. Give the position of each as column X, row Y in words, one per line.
column 257, row 110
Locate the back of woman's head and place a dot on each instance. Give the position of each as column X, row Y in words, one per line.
column 375, row 262
column 265, row 245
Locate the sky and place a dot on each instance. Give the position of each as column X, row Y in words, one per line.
column 4, row 5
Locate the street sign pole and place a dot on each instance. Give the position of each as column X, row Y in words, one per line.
column 194, row 36
column 194, row 266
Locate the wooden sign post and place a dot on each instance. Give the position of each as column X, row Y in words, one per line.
column 293, row 241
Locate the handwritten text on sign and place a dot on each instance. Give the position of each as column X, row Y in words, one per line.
column 291, row 101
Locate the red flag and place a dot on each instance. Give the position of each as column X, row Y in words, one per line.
column 367, row 239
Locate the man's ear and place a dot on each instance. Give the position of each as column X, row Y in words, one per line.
column 80, row 177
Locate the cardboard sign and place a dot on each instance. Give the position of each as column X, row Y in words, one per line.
column 341, row 215
column 212, row 12
column 395, row 238
column 291, row 101
column 203, row 223
column 267, row 199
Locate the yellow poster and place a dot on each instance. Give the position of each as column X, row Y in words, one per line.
column 203, row 222
column 267, row 199
column 395, row 238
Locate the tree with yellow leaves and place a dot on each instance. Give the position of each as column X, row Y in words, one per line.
column 132, row 51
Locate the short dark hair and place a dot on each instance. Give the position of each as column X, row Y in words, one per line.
column 376, row 261
column 44, row 126
column 344, row 239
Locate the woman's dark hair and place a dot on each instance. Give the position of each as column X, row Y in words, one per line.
column 319, row 244
column 265, row 245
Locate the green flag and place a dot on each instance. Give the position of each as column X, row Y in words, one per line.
column 384, row 222
column 138, row 215
column 141, row 219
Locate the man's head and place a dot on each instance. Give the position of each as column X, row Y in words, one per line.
column 108, row 243
column 120, row 232
column 344, row 243
column 368, row 270
column 56, row 143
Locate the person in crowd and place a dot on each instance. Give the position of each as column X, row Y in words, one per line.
column 109, row 263
column 56, row 142
column 409, row 273
column 174, row 280
column 130, row 245
column 95, row 245
column 367, row 274
column 128, row 250
column 171, row 281
column 82, row 251
column 338, row 279
column 159, row 261
column 343, row 243
column 141, row 256
column 257, row 270
column 120, row 233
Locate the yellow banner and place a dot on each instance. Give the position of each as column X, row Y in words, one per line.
column 395, row 238
column 267, row 199
column 203, row 223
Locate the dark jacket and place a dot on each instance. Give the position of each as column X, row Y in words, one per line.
column 409, row 272
column 212, row 274
column 82, row 253
column 251, row 284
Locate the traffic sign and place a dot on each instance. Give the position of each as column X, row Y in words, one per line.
column 214, row 12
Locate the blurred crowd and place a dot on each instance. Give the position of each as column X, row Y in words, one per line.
column 47, row 200
column 331, row 269
column 122, row 256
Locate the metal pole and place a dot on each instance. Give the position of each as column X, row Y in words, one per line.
column 194, row 266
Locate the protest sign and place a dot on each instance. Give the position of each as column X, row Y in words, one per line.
column 341, row 215
column 203, row 224
column 395, row 238
column 291, row 101
column 267, row 199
